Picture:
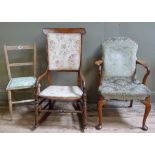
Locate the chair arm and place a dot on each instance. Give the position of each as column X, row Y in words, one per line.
column 99, row 64
column 41, row 77
column 141, row 62
column 82, row 82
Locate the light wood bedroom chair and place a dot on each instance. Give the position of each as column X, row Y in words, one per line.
column 25, row 83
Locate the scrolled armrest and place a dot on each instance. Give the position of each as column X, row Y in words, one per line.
column 81, row 82
column 82, row 79
column 99, row 63
column 41, row 77
column 141, row 62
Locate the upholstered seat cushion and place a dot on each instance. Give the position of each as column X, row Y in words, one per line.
column 123, row 89
column 21, row 83
column 61, row 92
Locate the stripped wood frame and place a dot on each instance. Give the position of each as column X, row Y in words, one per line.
column 39, row 110
column 101, row 99
column 18, row 48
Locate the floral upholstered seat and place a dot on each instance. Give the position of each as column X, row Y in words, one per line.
column 21, row 83
column 62, row 92
column 64, row 54
column 117, row 71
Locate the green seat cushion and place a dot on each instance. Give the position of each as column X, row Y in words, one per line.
column 21, row 83
column 123, row 89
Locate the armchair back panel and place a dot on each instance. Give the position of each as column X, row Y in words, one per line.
column 64, row 51
column 119, row 56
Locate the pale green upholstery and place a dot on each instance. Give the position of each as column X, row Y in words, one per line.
column 119, row 57
column 123, row 89
column 21, row 83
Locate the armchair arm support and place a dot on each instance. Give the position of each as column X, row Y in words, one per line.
column 141, row 62
column 42, row 75
column 81, row 82
column 99, row 64
column 82, row 79
column 38, row 81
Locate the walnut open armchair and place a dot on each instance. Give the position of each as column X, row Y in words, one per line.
column 64, row 54
column 22, row 83
column 117, row 74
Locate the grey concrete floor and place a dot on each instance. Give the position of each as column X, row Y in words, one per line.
column 117, row 117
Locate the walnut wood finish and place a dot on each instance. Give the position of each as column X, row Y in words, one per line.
column 19, row 48
column 99, row 64
column 147, row 103
column 141, row 62
column 147, row 111
column 64, row 30
column 80, row 82
column 99, row 107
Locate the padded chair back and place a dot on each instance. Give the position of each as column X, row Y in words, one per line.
column 119, row 56
column 64, row 48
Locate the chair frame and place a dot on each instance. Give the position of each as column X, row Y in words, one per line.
column 81, row 102
column 102, row 101
column 11, row 92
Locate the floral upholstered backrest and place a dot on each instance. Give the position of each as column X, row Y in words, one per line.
column 64, row 51
column 119, row 56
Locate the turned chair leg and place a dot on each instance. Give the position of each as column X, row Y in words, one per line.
column 147, row 110
column 85, row 113
column 36, row 114
column 51, row 104
column 10, row 104
column 131, row 103
column 99, row 107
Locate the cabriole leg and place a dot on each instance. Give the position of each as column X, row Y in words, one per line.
column 99, row 107
column 146, row 113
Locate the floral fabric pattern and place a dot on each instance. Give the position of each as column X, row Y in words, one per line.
column 64, row 51
column 61, row 91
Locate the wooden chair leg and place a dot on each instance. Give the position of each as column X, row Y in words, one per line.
column 85, row 112
column 36, row 115
column 147, row 110
column 10, row 104
column 99, row 107
column 131, row 103
column 51, row 104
